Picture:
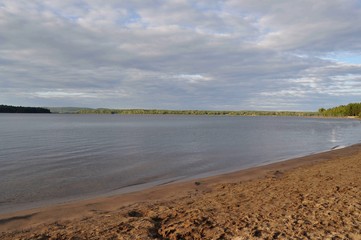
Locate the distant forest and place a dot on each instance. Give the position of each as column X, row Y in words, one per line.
column 349, row 110
column 16, row 109
column 352, row 109
column 195, row 112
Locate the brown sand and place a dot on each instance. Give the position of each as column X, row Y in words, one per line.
column 314, row 197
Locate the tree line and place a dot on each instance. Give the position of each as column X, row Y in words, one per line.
column 195, row 112
column 19, row 109
column 351, row 109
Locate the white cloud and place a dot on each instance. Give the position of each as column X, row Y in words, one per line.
column 60, row 93
column 192, row 78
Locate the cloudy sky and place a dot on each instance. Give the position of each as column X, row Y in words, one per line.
column 181, row 54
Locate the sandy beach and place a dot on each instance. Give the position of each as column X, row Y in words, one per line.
column 313, row 197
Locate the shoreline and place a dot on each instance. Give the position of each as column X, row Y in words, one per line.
column 25, row 207
column 40, row 219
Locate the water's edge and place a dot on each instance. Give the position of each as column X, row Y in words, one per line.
column 150, row 185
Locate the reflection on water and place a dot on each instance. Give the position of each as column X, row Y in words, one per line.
column 335, row 137
column 59, row 157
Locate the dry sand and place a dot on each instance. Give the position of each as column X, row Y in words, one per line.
column 314, row 197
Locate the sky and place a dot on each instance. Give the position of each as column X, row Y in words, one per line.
column 212, row 55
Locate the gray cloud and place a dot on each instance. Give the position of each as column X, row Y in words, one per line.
column 180, row 54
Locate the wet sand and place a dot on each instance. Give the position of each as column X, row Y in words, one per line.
column 313, row 197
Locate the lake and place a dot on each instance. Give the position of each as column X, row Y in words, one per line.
column 54, row 158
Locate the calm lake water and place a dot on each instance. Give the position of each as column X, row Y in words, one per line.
column 54, row 158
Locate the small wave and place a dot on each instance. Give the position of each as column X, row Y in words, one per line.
column 337, row 147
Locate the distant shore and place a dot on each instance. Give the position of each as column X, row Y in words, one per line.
column 316, row 196
column 352, row 110
column 324, row 114
column 20, row 109
column 179, row 112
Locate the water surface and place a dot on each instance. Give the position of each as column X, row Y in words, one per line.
column 54, row 158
